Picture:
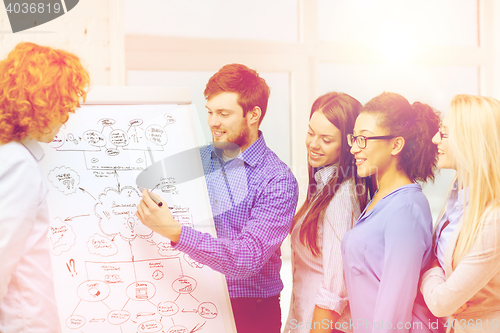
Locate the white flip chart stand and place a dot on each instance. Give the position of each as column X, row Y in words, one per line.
column 111, row 273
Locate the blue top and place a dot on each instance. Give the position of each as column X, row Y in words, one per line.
column 384, row 255
column 253, row 199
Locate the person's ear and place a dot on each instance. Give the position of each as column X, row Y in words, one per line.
column 253, row 116
column 398, row 144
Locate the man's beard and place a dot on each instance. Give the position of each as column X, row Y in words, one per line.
column 235, row 140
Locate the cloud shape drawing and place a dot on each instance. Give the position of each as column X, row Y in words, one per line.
column 102, row 246
column 166, row 250
column 64, row 179
column 116, row 213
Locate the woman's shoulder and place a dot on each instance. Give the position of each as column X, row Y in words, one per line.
column 348, row 184
column 408, row 197
column 16, row 158
column 409, row 204
column 346, row 190
column 491, row 223
column 14, row 152
column 344, row 198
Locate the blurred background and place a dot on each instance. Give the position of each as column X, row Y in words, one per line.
column 425, row 50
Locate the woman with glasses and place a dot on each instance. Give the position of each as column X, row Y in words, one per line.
column 464, row 282
column 334, row 201
column 391, row 243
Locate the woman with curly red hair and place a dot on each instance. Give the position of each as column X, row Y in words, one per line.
column 39, row 87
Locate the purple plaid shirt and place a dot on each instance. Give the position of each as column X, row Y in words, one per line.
column 253, row 199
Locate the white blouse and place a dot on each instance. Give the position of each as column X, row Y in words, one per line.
column 27, row 300
column 453, row 213
column 320, row 280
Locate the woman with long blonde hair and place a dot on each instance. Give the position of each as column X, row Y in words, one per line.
column 464, row 284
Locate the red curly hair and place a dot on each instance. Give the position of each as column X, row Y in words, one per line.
column 39, row 86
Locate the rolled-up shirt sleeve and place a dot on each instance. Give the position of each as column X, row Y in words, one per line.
column 338, row 219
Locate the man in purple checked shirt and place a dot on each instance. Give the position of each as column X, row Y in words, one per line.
column 253, row 195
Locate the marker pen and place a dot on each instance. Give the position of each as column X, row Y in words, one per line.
column 158, row 202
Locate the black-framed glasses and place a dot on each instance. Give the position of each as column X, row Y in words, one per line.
column 361, row 139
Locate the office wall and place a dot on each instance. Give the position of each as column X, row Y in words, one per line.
column 93, row 30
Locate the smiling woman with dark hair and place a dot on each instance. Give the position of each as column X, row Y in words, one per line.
column 330, row 210
column 390, row 244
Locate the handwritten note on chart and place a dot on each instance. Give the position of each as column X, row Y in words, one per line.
column 113, row 274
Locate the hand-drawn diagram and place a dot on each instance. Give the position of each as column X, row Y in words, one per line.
column 146, row 307
column 113, row 274
column 106, row 147
column 61, row 236
column 116, row 212
column 64, row 179
column 101, row 246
